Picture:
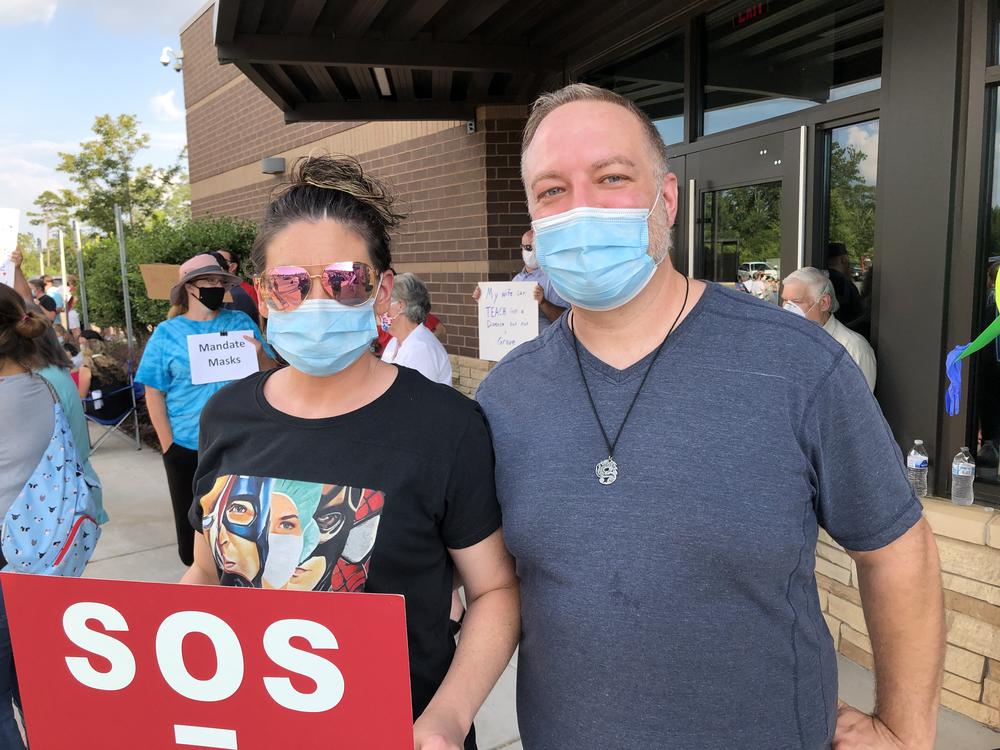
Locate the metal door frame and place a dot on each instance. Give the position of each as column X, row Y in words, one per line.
column 778, row 157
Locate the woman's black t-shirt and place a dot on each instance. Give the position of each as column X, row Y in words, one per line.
column 367, row 501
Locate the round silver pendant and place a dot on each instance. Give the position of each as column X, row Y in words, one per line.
column 607, row 471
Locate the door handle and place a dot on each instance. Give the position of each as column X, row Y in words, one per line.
column 692, row 194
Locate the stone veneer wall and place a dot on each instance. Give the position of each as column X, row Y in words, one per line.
column 468, row 372
column 969, row 543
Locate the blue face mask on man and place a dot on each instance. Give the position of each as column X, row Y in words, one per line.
column 596, row 258
column 321, row 337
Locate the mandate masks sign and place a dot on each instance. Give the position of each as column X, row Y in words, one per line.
column 120, row 665
column 221, row 357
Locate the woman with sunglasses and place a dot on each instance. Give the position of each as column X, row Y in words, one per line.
column 174, row 401
column 384, row 478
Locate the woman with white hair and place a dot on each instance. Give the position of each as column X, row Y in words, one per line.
column 412, row 344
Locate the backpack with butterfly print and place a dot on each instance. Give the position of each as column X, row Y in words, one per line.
column 51, row 526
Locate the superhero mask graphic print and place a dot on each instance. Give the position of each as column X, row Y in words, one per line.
column 347, row 519
column 281, row 533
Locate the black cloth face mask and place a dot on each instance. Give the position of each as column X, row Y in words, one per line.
column 211, row 297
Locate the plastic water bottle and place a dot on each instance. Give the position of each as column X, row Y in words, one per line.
column 963, row 474
column 916, row 468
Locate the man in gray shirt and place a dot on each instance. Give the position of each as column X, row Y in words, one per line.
column 665, row 548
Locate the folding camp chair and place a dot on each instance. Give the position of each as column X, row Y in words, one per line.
column 113, row 408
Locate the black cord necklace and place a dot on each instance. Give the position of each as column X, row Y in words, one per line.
column 607, row 470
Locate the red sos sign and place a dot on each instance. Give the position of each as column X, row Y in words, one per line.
column 122, row 665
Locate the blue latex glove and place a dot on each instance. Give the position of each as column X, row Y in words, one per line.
column 953, row 368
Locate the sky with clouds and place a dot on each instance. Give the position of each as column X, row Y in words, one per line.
column 62, row 63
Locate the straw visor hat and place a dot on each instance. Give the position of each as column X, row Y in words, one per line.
column 197, row 267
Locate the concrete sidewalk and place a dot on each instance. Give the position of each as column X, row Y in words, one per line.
column 139, row 544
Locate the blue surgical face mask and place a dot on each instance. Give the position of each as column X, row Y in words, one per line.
column 596, row 258
column 321, row 336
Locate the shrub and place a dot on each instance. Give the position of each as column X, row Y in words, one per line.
column 162, row 243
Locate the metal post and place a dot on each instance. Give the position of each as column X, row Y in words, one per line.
column 41, row 255
column 62, row 271
column 80, row 281
column 120, row 230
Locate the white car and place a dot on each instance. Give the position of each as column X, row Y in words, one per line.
column 747, row 270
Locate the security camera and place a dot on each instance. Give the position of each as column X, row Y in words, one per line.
column 165, row 56
column 178, row 66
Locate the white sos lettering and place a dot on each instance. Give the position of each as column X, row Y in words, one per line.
column 229, row 672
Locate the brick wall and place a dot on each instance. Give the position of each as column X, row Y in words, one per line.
column 506, row 207
column 242, row 203
column 461, row 209
column 462, row 191
column 969, row 543
column 240, row 125
column 202, row 72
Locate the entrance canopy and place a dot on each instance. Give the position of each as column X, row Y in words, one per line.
column 413, row 59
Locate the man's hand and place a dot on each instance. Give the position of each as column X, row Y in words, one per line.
column 858, row 731
column 16, row 258
column 436, row 732
column 539, row 294
column 476, row 293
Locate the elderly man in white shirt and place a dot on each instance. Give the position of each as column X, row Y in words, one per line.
column 412, row 344
column 809, row 293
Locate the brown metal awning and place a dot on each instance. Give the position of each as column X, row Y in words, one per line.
column 411, row 59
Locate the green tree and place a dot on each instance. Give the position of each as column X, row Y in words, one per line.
column 31, row 264
column 175, row 197
column 852, row 203
column 994, row 236
column 752, row 217
column 55, row 212
column 161, row 243
column 105, row 173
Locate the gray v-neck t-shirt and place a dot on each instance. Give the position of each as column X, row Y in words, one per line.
column 677, row 607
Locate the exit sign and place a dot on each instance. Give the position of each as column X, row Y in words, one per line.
column 749, row 14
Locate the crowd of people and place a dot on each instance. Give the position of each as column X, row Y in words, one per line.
column 656, row 579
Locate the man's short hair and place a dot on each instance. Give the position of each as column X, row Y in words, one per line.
column 583, row 92
column 817, row 283
column 835, row 250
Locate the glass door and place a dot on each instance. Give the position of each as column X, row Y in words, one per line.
column 741, row 238
column 746, row 213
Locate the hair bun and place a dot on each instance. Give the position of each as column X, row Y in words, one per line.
column 31, row 326
column 346, row 175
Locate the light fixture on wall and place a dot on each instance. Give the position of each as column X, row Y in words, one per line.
column 177, row 56
column 272, row 165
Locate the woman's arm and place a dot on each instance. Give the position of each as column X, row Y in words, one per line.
column 490, row 632
column 157, row 407
column 203, row 571
column 84, row 377
column 20, row 283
